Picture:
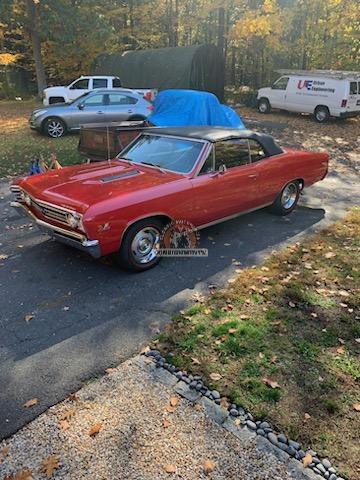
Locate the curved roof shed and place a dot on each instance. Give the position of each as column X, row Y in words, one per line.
column 197, row 67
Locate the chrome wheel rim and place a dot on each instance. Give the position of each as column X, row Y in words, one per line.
column 321, row 115
column 55, row 128
column 263, row 107
column 289, row 196
column 144, row 246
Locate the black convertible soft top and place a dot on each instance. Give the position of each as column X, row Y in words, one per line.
column 217, row 134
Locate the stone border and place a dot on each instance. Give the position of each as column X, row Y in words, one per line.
column 245, row 427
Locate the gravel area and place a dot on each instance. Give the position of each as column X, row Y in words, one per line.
column 140, row 436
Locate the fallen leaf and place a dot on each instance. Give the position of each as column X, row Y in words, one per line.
column 95, row 429
column 330, row 254
column 307, row 416
column 50, row 465
column 344, row 293
column 232, row 330
column 64, row 425
column 356, row 407
column 273, row 359
column 174, row 401
column 224, row 403
column 357, row 340
column 195, row 361
column 270, row 383
column 308, row 266
column 244, row 317
column 30, row 403
column 72, row 397
column 67, row 414
column 166, row 423
column 170, row 409
column 207, row 311
column 341, row 340
column 27, row 318
column 307, row 460
column 209, row 466
column 110, row 370
column 215, row 376
column 313, row 314
column 232, row 280
column 169, row 468
column 3, row 256
column 292, row 304
column 145, row 349
column 261, row 355
column 66, row 308
column 340, row 350
column 20, row 475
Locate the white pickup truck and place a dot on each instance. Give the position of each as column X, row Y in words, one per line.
column 84, row 84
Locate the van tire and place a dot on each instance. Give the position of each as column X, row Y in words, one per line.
column 321, row 114
column 264, row 105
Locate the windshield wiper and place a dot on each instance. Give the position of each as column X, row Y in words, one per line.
column 154, row 165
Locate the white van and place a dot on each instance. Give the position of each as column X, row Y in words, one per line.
column 324, row 93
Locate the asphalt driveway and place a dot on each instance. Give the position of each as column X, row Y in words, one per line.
column 88, row 315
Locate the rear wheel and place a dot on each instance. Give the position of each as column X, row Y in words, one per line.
column 139, row 248
column 264, row 105
column 287, row 200
column 322, row 114
column 54, row 127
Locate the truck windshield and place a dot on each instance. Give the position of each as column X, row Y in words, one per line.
column 169, row 153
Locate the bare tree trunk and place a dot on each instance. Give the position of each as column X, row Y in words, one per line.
column 32, row 11
column 221, row 29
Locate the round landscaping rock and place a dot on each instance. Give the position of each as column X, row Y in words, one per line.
column 251, row 424
column 295, row 445
column 321, row 467
column 241, row 411
column 327, row 475
column 332, row 470
column 282, row 438
column 273, row 438
column 264, row 425
column 216, row 394
column 199, row 386
column 234, row 412
column 261, row 432
column 334, row 477
column 291, row 451
column 250, row 417
column 193, row 384
column 300, row 454
column 326, row 463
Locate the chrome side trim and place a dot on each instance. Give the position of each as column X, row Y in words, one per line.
column 230, row 217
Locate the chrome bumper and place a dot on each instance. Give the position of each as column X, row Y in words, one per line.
column 73, row 239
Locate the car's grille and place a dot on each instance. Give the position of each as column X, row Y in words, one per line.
column 52, row 212
column 49, row 211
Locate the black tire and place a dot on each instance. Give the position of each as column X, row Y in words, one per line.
column 54, row 127
column 53, row 100
column 146, row 230
column 321, row 114
column 287, row 199
column 264, row 105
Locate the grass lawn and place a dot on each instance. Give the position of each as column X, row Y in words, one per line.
column 295, row 321
column 19, row 144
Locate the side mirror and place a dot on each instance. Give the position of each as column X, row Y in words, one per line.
column 81, row 106
column 222, row 169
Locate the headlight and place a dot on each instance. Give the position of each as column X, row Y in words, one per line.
column 74, row 220
column 27, row 199
column 38, row 113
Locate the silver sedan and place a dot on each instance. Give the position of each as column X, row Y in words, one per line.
column 100, row 106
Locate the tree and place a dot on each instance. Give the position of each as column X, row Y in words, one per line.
column 33, row 27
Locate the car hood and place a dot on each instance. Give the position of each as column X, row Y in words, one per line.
column 82, row 186
column 51, row 107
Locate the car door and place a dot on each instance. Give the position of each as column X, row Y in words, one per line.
column 278, row 93
column 120, row 107
column 78, row 88
column 90, row 109
column 228, row 187
column 99, row 83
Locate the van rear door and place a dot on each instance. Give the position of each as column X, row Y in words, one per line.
column 353, row 103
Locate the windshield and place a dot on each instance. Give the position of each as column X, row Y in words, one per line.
column 175, row 154
column 77, row 99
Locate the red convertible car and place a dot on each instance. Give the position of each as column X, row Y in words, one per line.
column 202, row 175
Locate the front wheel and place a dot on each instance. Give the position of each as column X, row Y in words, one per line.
column 322, row 114
column 264, row 105
column 287, row 200
column 54, row 127
column 139, row 248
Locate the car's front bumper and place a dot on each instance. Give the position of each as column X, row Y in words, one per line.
column 350, row 114
column 62, row 235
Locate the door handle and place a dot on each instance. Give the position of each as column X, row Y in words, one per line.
column 253, row 175
column 100, row 112
column 130, row 111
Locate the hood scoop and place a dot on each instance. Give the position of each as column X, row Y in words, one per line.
column 120, row 176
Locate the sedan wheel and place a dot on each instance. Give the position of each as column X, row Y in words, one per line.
column 287, row 200
column 139, row 247
column 55, row 127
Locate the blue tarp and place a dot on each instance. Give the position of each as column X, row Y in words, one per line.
column 179, row 108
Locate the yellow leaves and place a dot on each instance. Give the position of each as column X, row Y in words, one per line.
column 20, row 475
column 166, row 423
column 209, row 466
column 64, row 425
column 174, row 401
column 170, row 468
column 307, row 460
column 50, row 465
column 31, row 403
column 356, row 406
column 215, row 376
column 95, row 429
column 8, row 58
column 270, row 383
